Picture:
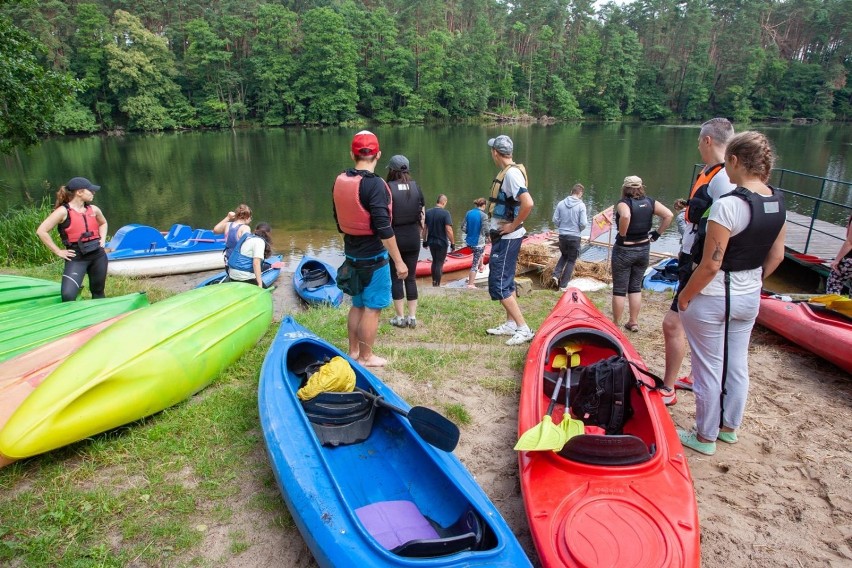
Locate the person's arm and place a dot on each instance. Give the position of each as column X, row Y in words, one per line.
column 258, row 272
column 715, row 245
column 393, row 251
column 527, row 205
column 450, row 235
column 43, row 232
column 103, row 226
column 623, row 218
column 844, row 248
column 776, row 253
column 222, row 225
column 665, row 214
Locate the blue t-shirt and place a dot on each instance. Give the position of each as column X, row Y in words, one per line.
column 473, row 227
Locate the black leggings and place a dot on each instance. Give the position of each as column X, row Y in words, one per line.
column 410, row 260
column 95, row 265
column 439, row 256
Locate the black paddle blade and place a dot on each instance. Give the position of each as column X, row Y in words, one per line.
column 434, row 428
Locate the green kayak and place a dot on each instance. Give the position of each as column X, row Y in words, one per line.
column 140, row 365
column 23, row 292
column 27, row 328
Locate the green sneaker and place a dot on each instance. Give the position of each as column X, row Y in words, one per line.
column 691, row 441
column 727, row 437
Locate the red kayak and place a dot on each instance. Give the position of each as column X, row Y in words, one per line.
column 822, row 331
column 603, row 500
column 459, row 259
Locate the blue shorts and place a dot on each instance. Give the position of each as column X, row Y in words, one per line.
column 377, row 294
column 502, row 265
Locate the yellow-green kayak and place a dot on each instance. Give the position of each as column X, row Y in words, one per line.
column 24, row 292
column 24, row 329
column 148, row 361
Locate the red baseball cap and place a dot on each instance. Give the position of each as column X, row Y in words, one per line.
column 365, row 144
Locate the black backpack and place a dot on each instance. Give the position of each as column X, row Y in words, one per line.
column 603, row 394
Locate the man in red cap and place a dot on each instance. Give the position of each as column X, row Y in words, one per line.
column 362, row 209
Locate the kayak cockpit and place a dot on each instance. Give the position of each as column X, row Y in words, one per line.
column 637, row 444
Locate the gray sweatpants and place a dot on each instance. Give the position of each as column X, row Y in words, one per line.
column 704, row 324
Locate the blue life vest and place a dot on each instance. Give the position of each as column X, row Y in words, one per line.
column 239, row 261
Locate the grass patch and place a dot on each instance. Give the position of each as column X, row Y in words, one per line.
column 458, row 413
column 18, row 240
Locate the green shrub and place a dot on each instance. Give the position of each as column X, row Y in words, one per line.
column 20, row 245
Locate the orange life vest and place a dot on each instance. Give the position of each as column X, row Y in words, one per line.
column 699, row 196
column 79, row 227
column 352, row 217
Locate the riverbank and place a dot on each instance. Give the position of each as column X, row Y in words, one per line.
column 789, row 475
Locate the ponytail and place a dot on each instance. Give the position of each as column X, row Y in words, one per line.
column 63, row 196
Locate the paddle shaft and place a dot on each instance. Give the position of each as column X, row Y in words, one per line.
column 429, row 425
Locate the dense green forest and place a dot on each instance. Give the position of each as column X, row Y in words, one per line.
column 157, row 64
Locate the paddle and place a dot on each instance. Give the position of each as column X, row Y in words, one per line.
column 429, row 425
column 545, row 435
column 571, row 426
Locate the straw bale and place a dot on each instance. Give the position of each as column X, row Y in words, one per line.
column 582, row 269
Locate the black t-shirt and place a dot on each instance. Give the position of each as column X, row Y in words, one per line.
column 437, row 220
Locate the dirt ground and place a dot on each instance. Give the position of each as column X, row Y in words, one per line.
column 781, row 497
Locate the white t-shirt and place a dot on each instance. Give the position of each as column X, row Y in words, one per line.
column 512, row 184
column 719, row 186
column 734, row 214
column 253, row 247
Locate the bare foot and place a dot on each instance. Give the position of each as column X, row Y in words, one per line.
column 354, row 355
column 374, row 361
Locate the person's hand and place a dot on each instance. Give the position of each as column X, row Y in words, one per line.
column 654, row 235
column 834, row 264
column 452, row 247
column 66, row 254
column 425, row 244
column 401, row 270
column 682, row 304
column 231, row 215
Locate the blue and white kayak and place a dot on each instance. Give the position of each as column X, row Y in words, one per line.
column 140, row 250
column 315, row 282
column 269, row 275
column 662, row 276
column 388, row 500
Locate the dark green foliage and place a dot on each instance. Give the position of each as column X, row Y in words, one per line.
column 154, row 66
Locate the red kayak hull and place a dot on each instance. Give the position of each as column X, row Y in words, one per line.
column 820, row 331
column 460, row 259
column 590, row 515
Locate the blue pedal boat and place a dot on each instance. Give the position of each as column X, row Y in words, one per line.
column 388, row 500
column 315, row 282
column 140, row 250
column 268, row 275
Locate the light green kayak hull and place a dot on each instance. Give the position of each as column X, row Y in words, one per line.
column 148, row 361
column 26, row 328
column 24, row 292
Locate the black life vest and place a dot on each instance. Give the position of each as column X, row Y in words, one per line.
column 79, row 227
column 407, row 197
column 748, row 249
column 641, row 219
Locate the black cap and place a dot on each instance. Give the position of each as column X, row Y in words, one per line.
column 81, row 183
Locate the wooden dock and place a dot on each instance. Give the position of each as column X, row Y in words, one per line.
column 823, row 241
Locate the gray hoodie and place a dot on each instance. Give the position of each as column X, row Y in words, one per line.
column 570, row 216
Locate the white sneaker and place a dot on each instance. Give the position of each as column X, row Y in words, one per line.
column 521, row 336
column 555, row 281
column 398, row 321
column 506, row 328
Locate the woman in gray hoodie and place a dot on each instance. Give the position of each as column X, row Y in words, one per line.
column 570, row 220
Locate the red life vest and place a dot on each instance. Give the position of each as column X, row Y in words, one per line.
column 72, row 229
column 352, row 217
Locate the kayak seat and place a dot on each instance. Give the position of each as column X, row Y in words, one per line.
column 400, row 527
column 623, row 449
column 313, row 278
column 178, row 232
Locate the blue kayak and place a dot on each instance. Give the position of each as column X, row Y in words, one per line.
column 315, row 282
column 269, row 275
column 140, row 250
column 662, row 276
column 383, row 498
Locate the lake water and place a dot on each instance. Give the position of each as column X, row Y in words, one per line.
column 286, row 175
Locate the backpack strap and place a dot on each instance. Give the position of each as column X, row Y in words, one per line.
column 658, row 382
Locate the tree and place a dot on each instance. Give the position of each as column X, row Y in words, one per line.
column 273, row 64
column 30, row 94
column 327, row 86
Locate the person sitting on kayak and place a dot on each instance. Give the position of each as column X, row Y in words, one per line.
column 235, row 225
column 246, row 262
column 83, row 230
